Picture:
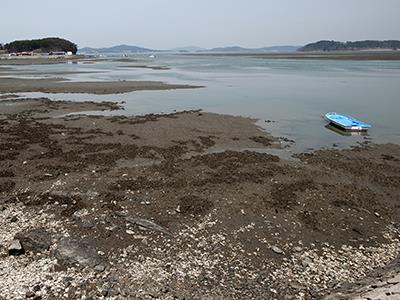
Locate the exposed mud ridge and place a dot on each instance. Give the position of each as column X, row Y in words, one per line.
column 11, row 85
column 366, row 166
column 148, row 117
column 44, row 107
column 194, row 205
column 170, row 207
column 284, row 195
column 6, row 186
column 6, row 173
column 262, row 140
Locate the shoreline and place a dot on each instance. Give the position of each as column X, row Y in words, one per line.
column 174, row 200
column 319, row 55
column 39, row 60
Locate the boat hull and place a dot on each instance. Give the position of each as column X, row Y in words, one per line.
column 346, row 123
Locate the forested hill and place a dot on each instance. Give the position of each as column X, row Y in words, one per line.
column 350, row 46
column 41, row 45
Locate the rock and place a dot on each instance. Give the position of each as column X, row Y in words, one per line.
column 296, row 286
column 99, row 268
column 297, row 249
column 67, row 281
column 71, row 252
column 394, row 280
column 141, row 228
column 82, row 219
column 30, row 294
column 378, row 284
column 153, row 154
column 306, row 262
column 36, row 240
column 113, row 293
column 33, row 296
column 87, row 225
column 15, row 248
column 143, row 223
column 37, row 288
column 14, row 219
column 277, row 250
column 179, row 297
column 313, row 292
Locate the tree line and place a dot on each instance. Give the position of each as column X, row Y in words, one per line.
column 41, row 46
column 350, row 46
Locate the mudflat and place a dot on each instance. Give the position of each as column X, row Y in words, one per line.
column 161, row 68
column 60, row 85
column 168, row 206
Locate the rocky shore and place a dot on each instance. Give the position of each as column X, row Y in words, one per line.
column 171, row 207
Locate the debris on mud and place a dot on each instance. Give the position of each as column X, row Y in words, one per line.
column 170, row 206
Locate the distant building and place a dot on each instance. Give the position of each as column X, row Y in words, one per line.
column 25, row 53
column 57, row 53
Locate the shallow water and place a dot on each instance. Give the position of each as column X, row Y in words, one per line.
column 293, row 93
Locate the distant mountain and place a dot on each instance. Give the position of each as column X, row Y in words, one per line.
column 187, row 49
column 227, row 49
column 280, row 49
column 254, row 50
column 350, row 46
column 117, row 49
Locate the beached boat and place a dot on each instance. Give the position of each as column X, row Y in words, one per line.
column 346, row 122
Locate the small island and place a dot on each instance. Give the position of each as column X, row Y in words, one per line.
column 50, row 46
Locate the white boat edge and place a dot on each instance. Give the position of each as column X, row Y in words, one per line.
column 347, row 128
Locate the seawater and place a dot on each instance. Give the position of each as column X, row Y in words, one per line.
column 294, row 94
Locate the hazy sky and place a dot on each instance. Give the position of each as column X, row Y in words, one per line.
column 165, row 24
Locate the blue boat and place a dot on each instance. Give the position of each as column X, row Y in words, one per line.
column 346, row 122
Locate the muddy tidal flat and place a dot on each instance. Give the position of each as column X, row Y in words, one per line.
column 58, row 85
column 171, row 207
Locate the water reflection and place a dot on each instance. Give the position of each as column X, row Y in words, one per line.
column 343, row 132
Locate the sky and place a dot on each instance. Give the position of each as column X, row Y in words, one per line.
column 165, row 24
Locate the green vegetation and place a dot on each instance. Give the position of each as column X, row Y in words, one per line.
column 350, row 46
column 41, row 46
